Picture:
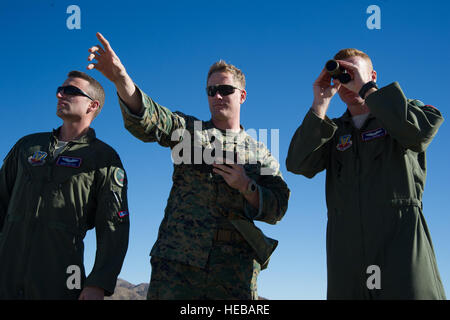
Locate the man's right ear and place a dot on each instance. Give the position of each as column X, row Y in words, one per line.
column 94, row 106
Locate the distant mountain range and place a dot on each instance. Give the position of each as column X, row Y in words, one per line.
column 128, row 291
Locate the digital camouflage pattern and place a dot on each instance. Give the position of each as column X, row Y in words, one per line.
column 375, row 178
column 230, row 273
column 200, row 202
column 47, row 204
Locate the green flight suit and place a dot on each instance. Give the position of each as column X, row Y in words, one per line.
column 374, row 183
column 47, row 204
column 201, row 203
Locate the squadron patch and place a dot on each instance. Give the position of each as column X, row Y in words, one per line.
column 373, row 134
column 429, row 105
column 119, row 176
column 37, row 158
column 70, row 162
column 345, row 142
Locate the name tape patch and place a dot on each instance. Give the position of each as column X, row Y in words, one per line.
column 373, row 134
column 71, row 162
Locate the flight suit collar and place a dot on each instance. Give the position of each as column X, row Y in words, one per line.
column 347, row 117
column 87, row 138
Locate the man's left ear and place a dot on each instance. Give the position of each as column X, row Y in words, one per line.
column 243, row 96
column 374, row 76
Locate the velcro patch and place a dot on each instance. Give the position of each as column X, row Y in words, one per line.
column 373, row 134
column 38, row 158
column 119, row 176
column 345, row 142
column 122, row 214
column 71, row 162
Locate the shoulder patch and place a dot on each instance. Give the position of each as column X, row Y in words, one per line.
column 119, row 176
column 418, row 103
column 429, row 105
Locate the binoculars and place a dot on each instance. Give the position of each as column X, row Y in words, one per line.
column 337, row 72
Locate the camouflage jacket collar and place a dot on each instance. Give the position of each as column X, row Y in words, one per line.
column 210, row 125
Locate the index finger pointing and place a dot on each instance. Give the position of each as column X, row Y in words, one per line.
column 103, row 41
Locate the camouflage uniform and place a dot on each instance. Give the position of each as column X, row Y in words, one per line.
column 202, row 210
column 48, row 203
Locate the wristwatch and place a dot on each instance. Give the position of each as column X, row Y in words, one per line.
column 251, row 188
column 369, row 85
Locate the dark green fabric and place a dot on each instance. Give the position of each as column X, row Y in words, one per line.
column 374, row 186
column 46, row 210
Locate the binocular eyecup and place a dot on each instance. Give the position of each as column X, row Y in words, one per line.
column 337, row 72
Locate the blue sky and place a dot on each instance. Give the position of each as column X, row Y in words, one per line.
column 281, row 46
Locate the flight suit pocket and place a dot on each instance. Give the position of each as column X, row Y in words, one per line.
column 399, row 214
column 118, row 204
column 64, row 227
column 339, row 169
column 405, row 202
column 1, row 242
column 378, row 155
column 403, row 206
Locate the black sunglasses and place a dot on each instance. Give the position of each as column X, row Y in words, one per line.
column 224, row 89
column 72, row 91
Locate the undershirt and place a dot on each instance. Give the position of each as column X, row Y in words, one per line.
column 359, row 120
column 59, row 147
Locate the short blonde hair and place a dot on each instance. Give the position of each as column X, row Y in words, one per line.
column 222, row 66
column 352, row 52
column 95, row 89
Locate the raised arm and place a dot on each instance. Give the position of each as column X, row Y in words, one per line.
column 109, row 64
column 308, row 151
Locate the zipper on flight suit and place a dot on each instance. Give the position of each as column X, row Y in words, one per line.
column 33, row 219
column 52, row 159
column 356, row 133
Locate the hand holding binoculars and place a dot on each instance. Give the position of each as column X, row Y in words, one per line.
column 337, row 72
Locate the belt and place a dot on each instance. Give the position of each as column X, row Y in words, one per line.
column 225, row 235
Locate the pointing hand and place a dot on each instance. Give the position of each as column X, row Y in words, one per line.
column 108, row 63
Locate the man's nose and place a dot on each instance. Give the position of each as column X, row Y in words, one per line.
column 218, row 95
